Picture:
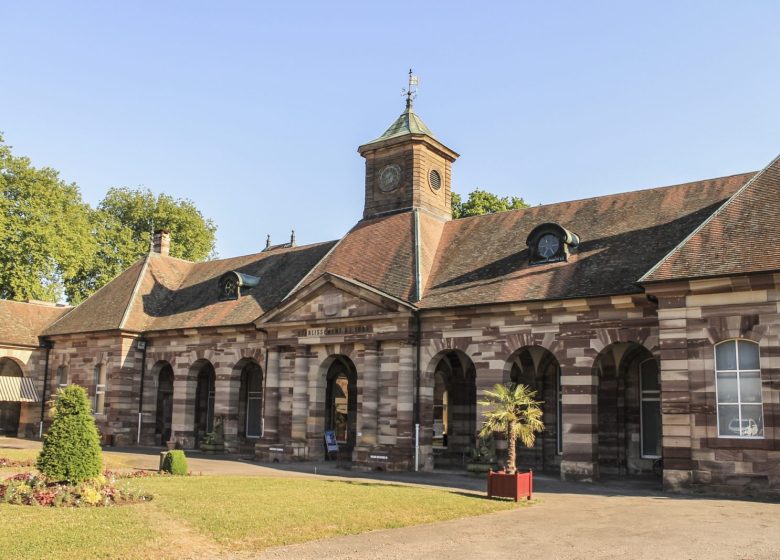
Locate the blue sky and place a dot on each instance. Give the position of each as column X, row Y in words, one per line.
column 254, row 110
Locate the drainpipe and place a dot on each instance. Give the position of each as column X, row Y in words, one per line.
column 47, row 345
column 141, row 344
column 417, row 343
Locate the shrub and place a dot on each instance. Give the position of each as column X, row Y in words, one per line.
column 71, row 448
column 175, row 462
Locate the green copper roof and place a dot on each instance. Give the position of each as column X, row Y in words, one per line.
column 407, row 123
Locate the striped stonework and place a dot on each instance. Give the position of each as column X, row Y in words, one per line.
column 693, row 317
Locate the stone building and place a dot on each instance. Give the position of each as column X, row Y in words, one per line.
column 648, row 322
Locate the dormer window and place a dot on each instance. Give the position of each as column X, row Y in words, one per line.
column 232, row 284
column 550, row 242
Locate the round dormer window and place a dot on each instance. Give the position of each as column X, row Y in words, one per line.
column 434, row 179
column 548, row 246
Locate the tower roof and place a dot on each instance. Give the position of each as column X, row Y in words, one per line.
column 407, row 123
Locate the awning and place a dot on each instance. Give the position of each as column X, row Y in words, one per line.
column 18, row 389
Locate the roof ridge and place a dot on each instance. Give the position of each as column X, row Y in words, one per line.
column 258, row 253
column 610, row 195
column 711, row 217
column 134, row 293
column 302, row 281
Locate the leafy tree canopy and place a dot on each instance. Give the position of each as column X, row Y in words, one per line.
column 45, row 230
column 192, row 236
column 481, row 202
column 54, row 246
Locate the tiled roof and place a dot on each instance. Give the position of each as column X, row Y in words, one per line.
column 471, row 261
column 741, row 237
column 484, row 259
column 407, row 122
column 159, row 293
column 377, row 252
column 21, row 323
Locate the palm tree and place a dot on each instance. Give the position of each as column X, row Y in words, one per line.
column 513, row 411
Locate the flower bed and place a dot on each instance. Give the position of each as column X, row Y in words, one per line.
column 32, row 489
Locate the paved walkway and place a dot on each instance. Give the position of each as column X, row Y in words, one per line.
column 611, row 520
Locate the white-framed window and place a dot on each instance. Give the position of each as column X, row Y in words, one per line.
column 740, row 408
column 99, row 400
column 559, row 413
column 649, row 409
column 62, row 376
column 254, row 403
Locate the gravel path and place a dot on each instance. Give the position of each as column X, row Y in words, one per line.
column 572, row 526
column 612, row 520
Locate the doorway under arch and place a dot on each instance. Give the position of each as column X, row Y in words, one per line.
column 204, row 399
column 454, row 408
column 164, row 412
column 10, row 411
column 629, row 409
column 538, row 368
column 341, row 402
column 250, row 400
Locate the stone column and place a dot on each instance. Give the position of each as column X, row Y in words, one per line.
column 388, row 395
column 300, row 397
column 226, row 388
column 315, row 422
column 677, row 416
column 368, row 396
column 286, row 384
column 183, row 421
column 580, row 420
column 271, row 398
column 406, row 396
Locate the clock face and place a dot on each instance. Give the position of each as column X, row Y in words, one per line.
column 230, row 287
column 548, row 246
column 389, row 177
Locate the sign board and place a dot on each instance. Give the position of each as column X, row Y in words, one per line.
column 330, row 442
column 336, row 331
column 277, row 449
column 378, row 457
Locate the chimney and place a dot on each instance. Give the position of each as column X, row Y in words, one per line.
column 292, row 239
column 161, row 243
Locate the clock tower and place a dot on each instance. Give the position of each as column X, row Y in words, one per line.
column 407, row 168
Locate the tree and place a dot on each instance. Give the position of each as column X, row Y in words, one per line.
column 53, row 246
column 71, row 448
column 45, row 230
column 513, row 411
column 482, row 202
column 193, row 237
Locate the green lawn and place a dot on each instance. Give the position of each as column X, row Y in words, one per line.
column 110, row 460
column 227, row 514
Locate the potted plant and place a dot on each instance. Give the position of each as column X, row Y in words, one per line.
column 482, row 457
column 214, row 442
column 512, row 410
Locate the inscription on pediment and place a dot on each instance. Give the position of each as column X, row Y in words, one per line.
column 333, row 303
column 335, row 331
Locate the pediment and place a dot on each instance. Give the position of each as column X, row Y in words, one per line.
column 331, row 298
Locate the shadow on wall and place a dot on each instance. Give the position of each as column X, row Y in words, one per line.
column 605, row 265
column 200, row 288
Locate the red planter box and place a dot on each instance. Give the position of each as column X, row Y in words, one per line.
column 516, row 486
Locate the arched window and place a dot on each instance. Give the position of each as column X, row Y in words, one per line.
column 62, row 376
column 99, row 401
column 559, row 413
column 650, row 409
column 738, row 388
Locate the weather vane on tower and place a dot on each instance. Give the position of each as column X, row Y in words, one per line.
column 411, row 90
